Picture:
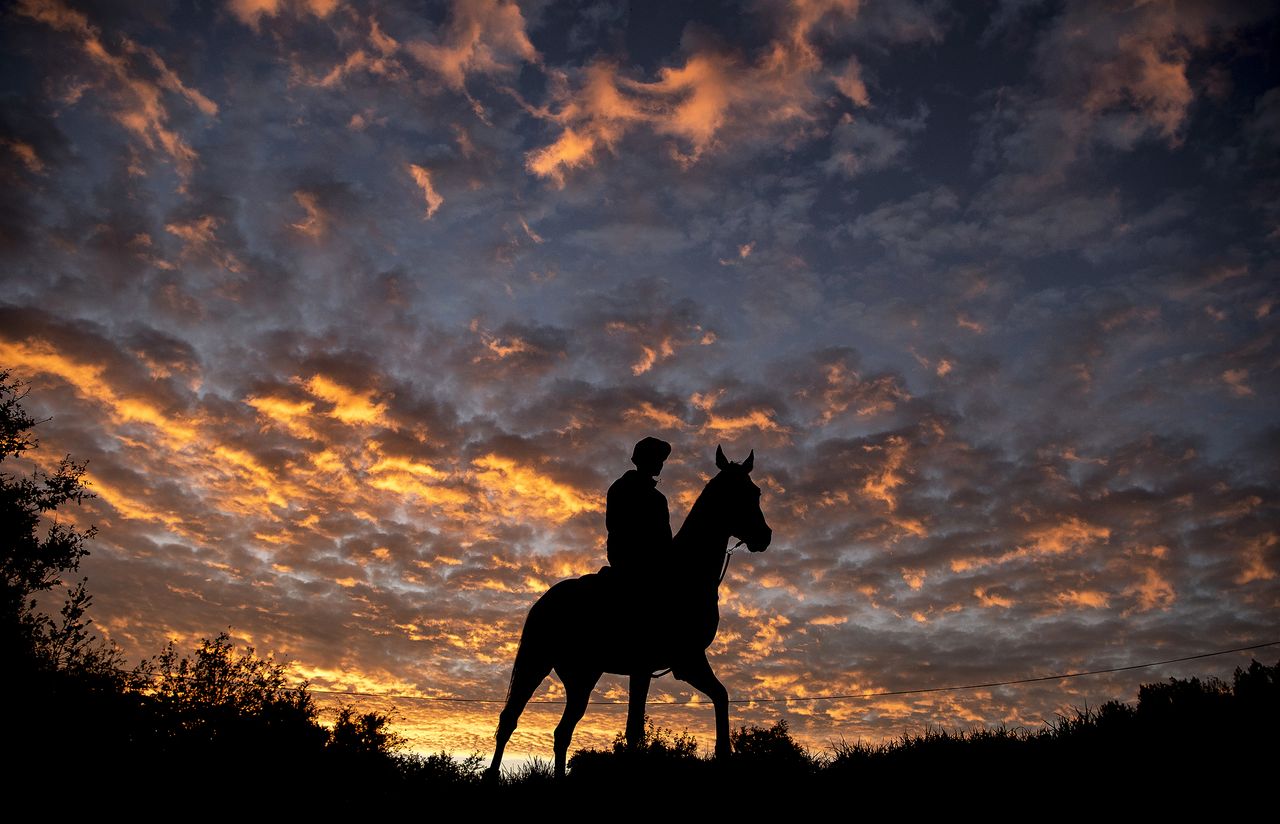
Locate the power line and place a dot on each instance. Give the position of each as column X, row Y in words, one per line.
column 833, row 697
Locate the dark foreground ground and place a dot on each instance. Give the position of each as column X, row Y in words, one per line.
column 1185, row 745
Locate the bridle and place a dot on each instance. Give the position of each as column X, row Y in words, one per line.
column 728, row 553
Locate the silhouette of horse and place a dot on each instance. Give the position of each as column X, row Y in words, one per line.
column 580, row 628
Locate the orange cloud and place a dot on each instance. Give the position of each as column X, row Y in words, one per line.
column 26, row 154
column 1152, row 592
column 89, row 382
column 423, row 179
column 651, row 355
column 135, row 99
column 376, row 57
column 516, row 488
column 761, row 419
column 669, row 341
column 596, row 118
column 1255, row 559
column 649, row 413
column 251, row 12
column 534, row 236
column 850, row 84
column 1091, row 598
column 879, row 485
column 845, row 388
column 1235, row 379
column 289, row 415
column 988, row 599
column 479, row 37
column 767, row 639
column 422, row 482
column 696, row 102
column 1070, row 535
column 316, row 222
column 348, row 406
column 199, row 240
column 132, row 508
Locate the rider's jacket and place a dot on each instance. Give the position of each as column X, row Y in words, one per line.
column 639, row 524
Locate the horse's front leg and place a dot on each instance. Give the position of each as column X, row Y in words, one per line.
column 639, row 695
column 698, row 675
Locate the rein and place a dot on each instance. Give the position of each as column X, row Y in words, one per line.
column 728, row 553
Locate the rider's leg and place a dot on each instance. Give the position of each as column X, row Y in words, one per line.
column 639, row 693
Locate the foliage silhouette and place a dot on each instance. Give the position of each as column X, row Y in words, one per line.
column 774, row 749
column 38, row 552
column 71, row 702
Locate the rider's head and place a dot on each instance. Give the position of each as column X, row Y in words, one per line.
column 649, row 455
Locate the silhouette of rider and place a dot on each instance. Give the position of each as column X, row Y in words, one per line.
column 637, row 518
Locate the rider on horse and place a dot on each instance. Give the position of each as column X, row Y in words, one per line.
column 637, row 518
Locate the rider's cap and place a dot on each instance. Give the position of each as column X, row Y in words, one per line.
column 650, row 450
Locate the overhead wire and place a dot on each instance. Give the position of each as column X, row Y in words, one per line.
column 827, row 697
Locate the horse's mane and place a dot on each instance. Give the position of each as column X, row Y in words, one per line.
column 697, row 512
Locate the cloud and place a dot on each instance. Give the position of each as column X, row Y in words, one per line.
column 480, row 37
column 433, row 199
column 859, row 145
column 713, row 92
column 315, row 224
column 1004, row 423
column 1109, row 76
column 134, row 79
column 252, row 12
column 25, row 153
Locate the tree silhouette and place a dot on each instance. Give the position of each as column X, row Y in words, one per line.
column 38, row 552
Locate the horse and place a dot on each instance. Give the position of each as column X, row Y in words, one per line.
column 576, row 628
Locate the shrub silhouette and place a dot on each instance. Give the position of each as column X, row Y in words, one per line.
column 773, row 748
column 221, row 703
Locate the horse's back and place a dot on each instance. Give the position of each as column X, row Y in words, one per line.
column 599, row 621
column 567, row 600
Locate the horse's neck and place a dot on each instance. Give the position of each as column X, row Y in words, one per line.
column 703, row 534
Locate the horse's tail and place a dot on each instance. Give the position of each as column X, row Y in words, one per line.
column 532, row 655
column 534, row 659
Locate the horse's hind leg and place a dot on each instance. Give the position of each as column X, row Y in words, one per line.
column 577, row 689
column 698, row 674
column 524, row 681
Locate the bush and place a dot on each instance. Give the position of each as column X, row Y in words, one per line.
column 773, row 749
column 230, row 698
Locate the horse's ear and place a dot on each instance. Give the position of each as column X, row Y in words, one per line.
column 721, row 461
column 750, row 461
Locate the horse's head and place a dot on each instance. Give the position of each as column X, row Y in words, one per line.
column 741, row 501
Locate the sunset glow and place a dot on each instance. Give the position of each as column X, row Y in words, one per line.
column 356, row 310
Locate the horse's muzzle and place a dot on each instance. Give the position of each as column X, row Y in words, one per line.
column 760, row 543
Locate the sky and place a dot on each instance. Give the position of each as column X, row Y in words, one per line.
column 355, row 311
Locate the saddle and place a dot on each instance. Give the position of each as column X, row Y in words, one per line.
column 641, row 616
